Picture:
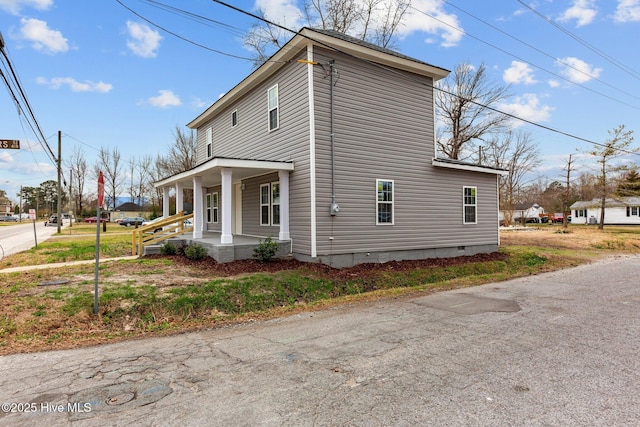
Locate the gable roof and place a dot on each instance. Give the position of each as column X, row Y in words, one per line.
column 130, row 207
column 327, row 39
column 609, row 203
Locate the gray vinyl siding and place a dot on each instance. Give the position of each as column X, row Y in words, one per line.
column 384, row 130
column 251, row 140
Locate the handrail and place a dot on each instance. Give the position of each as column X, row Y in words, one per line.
column 171, row 226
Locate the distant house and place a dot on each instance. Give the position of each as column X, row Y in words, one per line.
column 618, row 211
column 6, row 207
column 128, row 209
column 329, row 146
column 524, row 212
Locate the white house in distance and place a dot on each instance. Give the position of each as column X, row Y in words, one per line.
column 330, row 147
column 618, row 211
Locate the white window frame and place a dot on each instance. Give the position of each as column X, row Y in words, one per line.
column 234, row 118
column 213, row 204
column 385, row 202
column 271, row 108
column 581, row 213
column 209, row 143
column 208, row 207
column 274, row 203
column 266, row 204
column 465, row 204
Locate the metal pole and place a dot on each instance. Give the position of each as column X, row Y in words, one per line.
column 95, row 288
column 59, row 179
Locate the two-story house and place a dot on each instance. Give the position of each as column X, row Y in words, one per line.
column 330, row 145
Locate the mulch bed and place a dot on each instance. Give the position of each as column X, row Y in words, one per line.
column 361, row 270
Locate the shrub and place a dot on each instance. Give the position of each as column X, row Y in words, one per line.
column 265, row 250
column 168, row 249
column 195, row 252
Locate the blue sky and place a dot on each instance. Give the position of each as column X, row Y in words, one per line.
column 105, row 77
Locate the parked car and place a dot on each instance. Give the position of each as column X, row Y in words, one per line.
column 147, row 222
column 557, row 217
column 128, row 222
column 53, row 219
column 9, row 218
column 94, row 219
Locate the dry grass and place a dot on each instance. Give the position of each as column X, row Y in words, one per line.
column 136, row 295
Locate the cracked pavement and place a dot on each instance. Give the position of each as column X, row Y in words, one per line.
column 555, row 349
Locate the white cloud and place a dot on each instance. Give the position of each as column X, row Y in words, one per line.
column 14, row 6
column 5, row 157
column 582, row 11
column 143, row 40
column 577, row 70
column 74, row 85
column 627, row 11
column 553, row 83
column 284, row 12
column 166, row 99
column 519, row 73
column 198, row 103
column 528, row 107
column 42, row 37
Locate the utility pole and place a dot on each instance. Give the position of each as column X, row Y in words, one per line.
column 20, row 218
column 59, row 180
column 71, row 210
column 567, row 192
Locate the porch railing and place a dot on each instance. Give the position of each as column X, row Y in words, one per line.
column 159, row 231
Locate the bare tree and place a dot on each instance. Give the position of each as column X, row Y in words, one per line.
column 375, row 21
column 109, row 162
column 616, row 146
column 77, row 163
column 181, row 155
column 516, row 152
column 463, row 107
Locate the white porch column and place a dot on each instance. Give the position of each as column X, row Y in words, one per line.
column 179, row 197
column 198, row 208
column 227, row 189
column 284, row 205
column 165, row 201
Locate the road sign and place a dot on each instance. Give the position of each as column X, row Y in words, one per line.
column 10, row 144
column 32, row 214
column 100, row 190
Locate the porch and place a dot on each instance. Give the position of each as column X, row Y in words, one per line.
column 241, row 248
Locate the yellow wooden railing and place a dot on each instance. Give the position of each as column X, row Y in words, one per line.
column 167, row 228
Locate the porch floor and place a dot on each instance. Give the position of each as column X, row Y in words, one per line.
column 241, row 248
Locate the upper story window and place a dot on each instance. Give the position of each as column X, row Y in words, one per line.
column 234, row 118
column 470, row 205
column 384, row 202
column 274, row 119
column 209, row 143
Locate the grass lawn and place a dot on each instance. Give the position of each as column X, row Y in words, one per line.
column 53, row 308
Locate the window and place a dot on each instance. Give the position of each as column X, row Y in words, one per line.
column 209, row 143
column 581, row 212
column 272, row 95
column 384, row 202
column 275, row 203
column 212, row 208
column 270, row 204
column 632, row 210
column 264, row 204
column 234, row 119
column 470, row 205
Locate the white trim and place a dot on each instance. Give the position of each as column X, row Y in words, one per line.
column 226, row 236
column 464, row 205
column 277, row 108
column 207, row 208
column 393, row 197
column 471, row 168
column 225, row 163
column 312, row 153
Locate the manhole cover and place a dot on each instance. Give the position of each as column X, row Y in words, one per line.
column 120, row 398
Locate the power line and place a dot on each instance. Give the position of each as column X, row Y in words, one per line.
column 589, row 46
column 525, row 61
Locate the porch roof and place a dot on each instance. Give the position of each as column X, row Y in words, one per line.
column 210, row 171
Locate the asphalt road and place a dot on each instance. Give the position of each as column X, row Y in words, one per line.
column 20, row 237
column 559, row 349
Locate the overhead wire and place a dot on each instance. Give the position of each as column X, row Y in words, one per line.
column 586, row 44
column 548, row 55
